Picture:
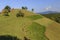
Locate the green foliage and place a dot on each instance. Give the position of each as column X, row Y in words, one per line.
column 6, row 14
column 32, row 9
column 20, row 14
column 6, row 11
column 8, row 8
column 24, row 8
column 52, row 16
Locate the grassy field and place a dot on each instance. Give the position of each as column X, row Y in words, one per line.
column 36, row 31
column 22, row 26
column 52, row 28
column 33, row 26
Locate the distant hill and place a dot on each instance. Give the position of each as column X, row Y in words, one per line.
column 53, row 16
column 48, row 12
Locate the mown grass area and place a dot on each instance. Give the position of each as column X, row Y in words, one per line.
column 13, row 26
column 36, row 31
column 34, row 17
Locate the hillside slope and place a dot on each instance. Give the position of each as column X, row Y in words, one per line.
column 22, row 26
column 53, row 16
column 33, row 26
column 52, row 28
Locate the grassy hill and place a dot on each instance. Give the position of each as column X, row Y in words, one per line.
column 33, row 26
column 53, row 16
column 22, row 26
column 52, row 28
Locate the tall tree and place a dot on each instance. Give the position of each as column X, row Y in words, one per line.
column 32, row 9
column 8, row 8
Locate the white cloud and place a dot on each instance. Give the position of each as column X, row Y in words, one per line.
column 48, row 8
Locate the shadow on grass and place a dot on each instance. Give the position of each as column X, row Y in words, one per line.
column 8, row 37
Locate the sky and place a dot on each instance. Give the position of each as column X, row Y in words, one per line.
column 37, row 5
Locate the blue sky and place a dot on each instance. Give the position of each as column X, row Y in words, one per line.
column 38, row 5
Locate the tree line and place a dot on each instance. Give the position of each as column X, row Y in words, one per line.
column 7, row 9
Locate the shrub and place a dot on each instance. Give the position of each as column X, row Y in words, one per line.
column 20, row 14
column 6, row 10
column 25, row 38
column 6, row 14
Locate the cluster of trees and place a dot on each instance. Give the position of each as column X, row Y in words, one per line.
column 24, row 8
column 20, row 14
column 53, row 16
column 27, row 8
column 57, row 19
column 7, row 9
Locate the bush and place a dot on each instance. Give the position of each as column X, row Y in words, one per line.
column 20, row 14
column 25, row 38
column 6, row 10
column 6, row 14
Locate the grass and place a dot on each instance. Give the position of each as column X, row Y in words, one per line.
column 37, row 31
column 53, row 16
column 13, row 26
column 35, row 17
column 52, row 28
column 21, row 27
column 32, row 26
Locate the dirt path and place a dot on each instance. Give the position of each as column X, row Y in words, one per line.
column 25, row 24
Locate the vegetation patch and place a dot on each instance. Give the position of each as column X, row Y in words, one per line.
column 53, row 16
column 20, row 14
column 37, row 32
column 34, row 17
